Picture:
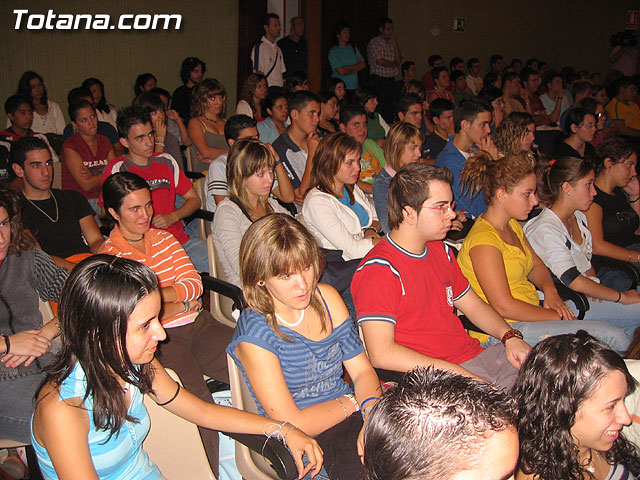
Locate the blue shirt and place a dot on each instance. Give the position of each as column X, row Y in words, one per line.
column 119, row 458
column 358, row 209
column 345, row 57
column 312, row 370
column 454, row 160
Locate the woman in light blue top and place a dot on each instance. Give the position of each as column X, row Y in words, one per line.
column 90, row 421
column 277, row 108
column 345, row 59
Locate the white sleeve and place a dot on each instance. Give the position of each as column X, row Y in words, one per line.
column 243, row 108
column 227, row 234
column 324, row 220
column 59, row 122
column 554, row 248
column 384, row 124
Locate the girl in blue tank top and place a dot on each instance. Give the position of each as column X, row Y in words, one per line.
column 90, row 421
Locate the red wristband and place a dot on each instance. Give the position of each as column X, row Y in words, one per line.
column 510, row 334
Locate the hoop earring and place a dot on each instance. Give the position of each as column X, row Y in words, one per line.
column 261, row 283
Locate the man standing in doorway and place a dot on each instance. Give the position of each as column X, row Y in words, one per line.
column 384, row 59
column 266, row 56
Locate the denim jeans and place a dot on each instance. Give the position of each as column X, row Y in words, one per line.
column 535, row 332
column 197, row 251
column 322, row 474
column 16, row 406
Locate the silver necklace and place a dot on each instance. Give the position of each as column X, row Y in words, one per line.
column 45, row 213
column 292, row 325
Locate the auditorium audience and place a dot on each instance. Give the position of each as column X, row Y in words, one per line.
column 253, row 93
column 328, row 113
column 250, row 175
column 105, row 111
column 85, row 154
column 165, row 141
column 145, row 82
column 206, row 127
column 277, row 108
column 47, row 115
column 501, row 266
column 296, row 340
column 335, row 210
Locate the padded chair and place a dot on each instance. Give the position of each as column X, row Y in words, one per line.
column 252, row 465
column 204, row 225
column 174, row 444
column 221, row 306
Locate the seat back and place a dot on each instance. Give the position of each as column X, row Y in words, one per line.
column 174, row 444
column 251, row 465
column 57, row 175
column 221, row 306
column 204, row 226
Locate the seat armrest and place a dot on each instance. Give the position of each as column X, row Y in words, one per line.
column 225, row 288
column 579, row 299
column 193, row 175
column 274, row 451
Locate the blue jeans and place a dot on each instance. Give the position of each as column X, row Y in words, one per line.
column 322, row 474
column 626, row 317
column 535, row 332
column 197, row 251
column 16, row 406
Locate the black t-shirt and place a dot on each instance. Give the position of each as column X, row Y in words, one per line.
column 433, row 145
column 619, row 220
column 563, row 149
column 181, row 102
column 64, row 237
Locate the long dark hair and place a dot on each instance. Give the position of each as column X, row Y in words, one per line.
column 115, row 188
column 553, row 173
column 24, row 87
column 103, row 105
column 96, row 301
column 559, row 374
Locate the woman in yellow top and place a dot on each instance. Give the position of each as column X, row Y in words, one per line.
column 500, row 264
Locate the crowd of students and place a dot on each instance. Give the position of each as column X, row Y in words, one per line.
column 334, row 212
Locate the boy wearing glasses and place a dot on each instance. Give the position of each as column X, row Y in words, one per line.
column 410, row 320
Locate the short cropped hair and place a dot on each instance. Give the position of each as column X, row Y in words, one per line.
column 407, row 100
column 383, row 22
column 130, row 116
column 468, row 110
column 432, row 425
column 13, row 103
column 300, row 99
column 406, row 65
column 24, row 145
column 431, row 61
column 349, row 111
column 236, row 124
column 471, row 62
column 410, row 188
column 439, row 106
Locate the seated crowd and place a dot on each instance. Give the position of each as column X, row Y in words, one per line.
column 411, row 253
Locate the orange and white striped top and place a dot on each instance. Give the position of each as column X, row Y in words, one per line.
column 168, row 260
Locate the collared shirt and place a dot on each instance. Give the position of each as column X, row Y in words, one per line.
column 270, row 61
column 379, row 48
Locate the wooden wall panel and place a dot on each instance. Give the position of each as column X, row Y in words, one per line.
column 209, row 31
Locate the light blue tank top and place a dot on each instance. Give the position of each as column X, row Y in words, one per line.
column 119, row 458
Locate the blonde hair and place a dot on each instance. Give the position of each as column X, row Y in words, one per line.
column 483, row 173
column 511, row 131
column 246, row 157
column 208, row 88
column 276, row 245
column 400, row 135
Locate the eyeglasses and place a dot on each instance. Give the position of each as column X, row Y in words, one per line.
column 442, row 208
column 600, row 115
column 589, row 125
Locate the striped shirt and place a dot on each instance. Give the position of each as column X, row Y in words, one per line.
column 168, row 260
column 120, row 457
column 312, row 369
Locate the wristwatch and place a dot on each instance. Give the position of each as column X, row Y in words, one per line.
column 510, row 334
column 186, row 306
